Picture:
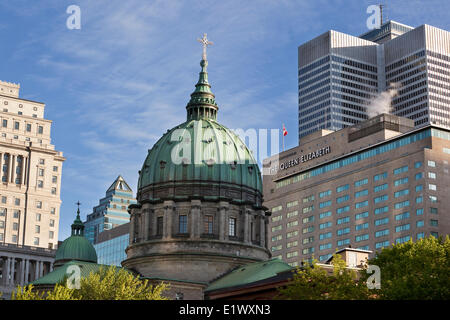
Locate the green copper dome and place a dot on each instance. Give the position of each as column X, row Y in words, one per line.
column 76, row 247
column 201, row 150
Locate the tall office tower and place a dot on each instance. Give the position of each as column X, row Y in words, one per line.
column 30, row 172
column 339, row 76
column 111, row 210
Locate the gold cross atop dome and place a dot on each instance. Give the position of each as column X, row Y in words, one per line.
column 205, row 42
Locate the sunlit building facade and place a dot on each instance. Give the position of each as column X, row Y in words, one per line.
column 367, row 186
column 30, row 173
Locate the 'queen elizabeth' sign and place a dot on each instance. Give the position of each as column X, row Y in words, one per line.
column 301, row 159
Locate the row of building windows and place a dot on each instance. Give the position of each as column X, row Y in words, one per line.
column 353, row 85
column 347, row 242
column 409, row 96
column 405, row 60
column 313, row 65
column 314, row 87
column 405, row 68
column 351, row 77
column 311, row 74
column 314, row 94
column 28, row 126
column 315, row 101
column 353, row 71
column 355, row 64
column 409, row 111
column 314, row 80
column 315, row 123
column 349, row 98
column 420, row 70
column 313, row 109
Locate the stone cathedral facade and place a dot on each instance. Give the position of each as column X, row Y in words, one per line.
column 199, row 210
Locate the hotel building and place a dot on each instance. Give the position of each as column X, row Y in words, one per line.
column 339, row 75
column 367, row 186
column 30, row 173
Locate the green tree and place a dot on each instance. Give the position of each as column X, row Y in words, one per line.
column 313, row 282
column 113, row 284
column 414, row 270
column 26, row 293
column 107, row 284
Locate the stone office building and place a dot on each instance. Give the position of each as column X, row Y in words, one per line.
column 30, row 173
column 366, row 186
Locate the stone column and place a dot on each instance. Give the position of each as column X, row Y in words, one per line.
column 13, row 165
column 27, row 270
column 6, row 272
column 36, row 270
column 247, row 237
column 132, row 227
column 169, row 207
column 8, row 170
column 22, row 272
column 194, row 219
column 223, row 220
column 262, row 230
column 24, row 170
column 13, row 271
column 1, row 163
column 147, row 223
column 51, row 266
column 41, row 269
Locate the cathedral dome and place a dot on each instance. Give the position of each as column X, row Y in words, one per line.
column 201, row 151
column 76, row 247
column 199, row 209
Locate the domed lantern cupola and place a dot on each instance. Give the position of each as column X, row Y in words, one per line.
column 77, row 246
column 202, row 103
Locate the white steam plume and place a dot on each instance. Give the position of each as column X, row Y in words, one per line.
column 382, row 102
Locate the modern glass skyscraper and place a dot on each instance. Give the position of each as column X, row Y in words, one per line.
column 111, row 244
column 340, row 75
column 111, row 211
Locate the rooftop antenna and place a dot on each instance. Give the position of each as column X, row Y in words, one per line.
column 381, row 13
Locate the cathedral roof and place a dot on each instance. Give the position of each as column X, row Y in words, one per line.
column 250, row 273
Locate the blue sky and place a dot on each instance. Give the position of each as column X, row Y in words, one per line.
column 115, row 86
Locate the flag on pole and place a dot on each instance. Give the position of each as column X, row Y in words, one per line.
column 284, row 131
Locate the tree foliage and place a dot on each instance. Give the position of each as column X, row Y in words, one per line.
column 415, row 270
column 107, row 284
column 312, row 282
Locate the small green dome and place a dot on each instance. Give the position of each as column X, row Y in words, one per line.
column 201, row 149
column 76, row 247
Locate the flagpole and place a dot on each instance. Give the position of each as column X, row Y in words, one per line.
column 282, row 133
